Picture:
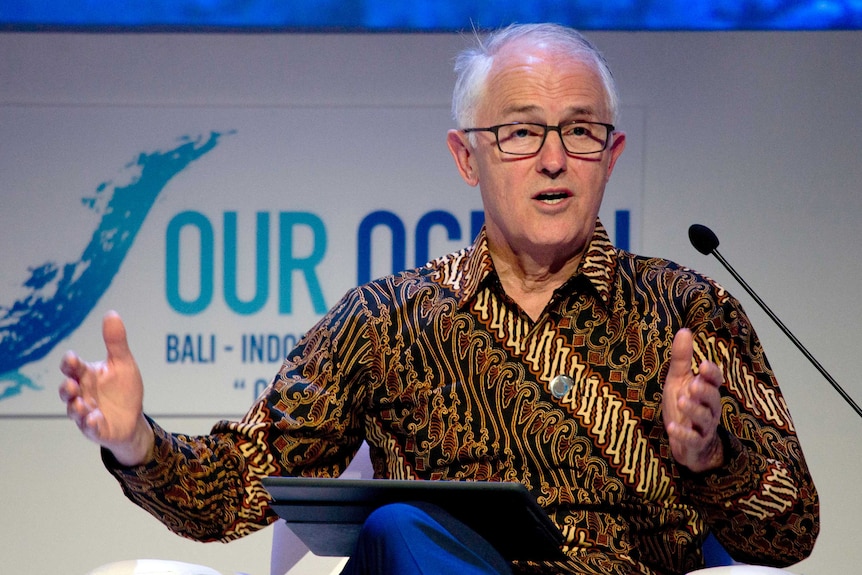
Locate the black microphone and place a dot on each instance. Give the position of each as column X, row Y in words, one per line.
column 705, row 241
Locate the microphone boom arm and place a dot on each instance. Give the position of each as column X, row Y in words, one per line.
column 788, row 333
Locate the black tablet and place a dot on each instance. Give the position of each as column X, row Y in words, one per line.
column 327, row 514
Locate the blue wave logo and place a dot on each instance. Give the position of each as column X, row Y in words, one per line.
column 58, row 297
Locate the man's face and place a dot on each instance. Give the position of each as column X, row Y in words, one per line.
column 541, row 206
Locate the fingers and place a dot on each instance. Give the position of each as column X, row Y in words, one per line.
column 681, row 352
column 74, row 369
column 104, row 398
column 78, row 410
column 77, row 373
column 711, row 374
column 71, row 365
column 82, row 411
column 682, row 438
column 114, row 335
column 69, row 390
column 76, row 392
column 701, row 411
column 700, row 401
column 692, row 406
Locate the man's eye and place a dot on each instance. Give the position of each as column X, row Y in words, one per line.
column 577, row 131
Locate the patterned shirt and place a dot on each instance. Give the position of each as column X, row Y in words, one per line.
column 446, row 378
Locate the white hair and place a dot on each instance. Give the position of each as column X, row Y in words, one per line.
column 473, row 65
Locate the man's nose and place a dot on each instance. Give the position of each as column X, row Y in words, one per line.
column 553, row 155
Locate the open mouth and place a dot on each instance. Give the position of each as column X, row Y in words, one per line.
column 552, row 197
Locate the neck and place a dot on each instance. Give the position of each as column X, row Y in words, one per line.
column 531, row 282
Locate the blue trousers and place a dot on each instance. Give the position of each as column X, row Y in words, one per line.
column 421, row 539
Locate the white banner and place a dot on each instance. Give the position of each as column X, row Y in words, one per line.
column 219, row 234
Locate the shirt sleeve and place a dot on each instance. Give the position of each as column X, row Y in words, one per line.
column 307, row 423
column 762, row 504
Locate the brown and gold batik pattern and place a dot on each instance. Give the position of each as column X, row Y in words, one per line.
column 445, row 378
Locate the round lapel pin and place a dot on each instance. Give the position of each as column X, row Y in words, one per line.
column 561, row 385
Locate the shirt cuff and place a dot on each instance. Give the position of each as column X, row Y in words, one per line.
column 721, row 486
column 151, row 473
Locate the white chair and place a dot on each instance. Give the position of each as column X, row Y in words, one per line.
column 290, row 555
column 152, row 567
column 741, row 570
column 288, row 552
column 719, row 562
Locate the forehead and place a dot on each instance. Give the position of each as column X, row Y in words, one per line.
column 544, row 81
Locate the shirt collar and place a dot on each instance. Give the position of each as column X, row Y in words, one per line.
column 465, row 271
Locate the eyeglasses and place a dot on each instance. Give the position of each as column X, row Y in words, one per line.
column 526, row 139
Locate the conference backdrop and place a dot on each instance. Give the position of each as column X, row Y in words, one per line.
column 220, row 234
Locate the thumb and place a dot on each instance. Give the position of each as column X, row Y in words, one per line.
column 114, row 335
column 681, row 353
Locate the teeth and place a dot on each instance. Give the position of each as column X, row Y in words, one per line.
column 551, row 198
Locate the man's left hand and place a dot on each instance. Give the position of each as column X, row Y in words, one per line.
column 691, row 407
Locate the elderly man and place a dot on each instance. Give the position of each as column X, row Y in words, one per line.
column 629, row 394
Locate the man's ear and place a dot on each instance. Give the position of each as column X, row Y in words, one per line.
column 617, row 147
column 462, row 152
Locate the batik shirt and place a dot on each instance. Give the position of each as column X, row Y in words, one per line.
column 446, row 378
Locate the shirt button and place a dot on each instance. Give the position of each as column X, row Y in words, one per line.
column 561, row 385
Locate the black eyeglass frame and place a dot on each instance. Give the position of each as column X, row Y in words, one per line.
column 558, row 129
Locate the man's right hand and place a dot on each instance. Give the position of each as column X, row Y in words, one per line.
column 105, row 399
